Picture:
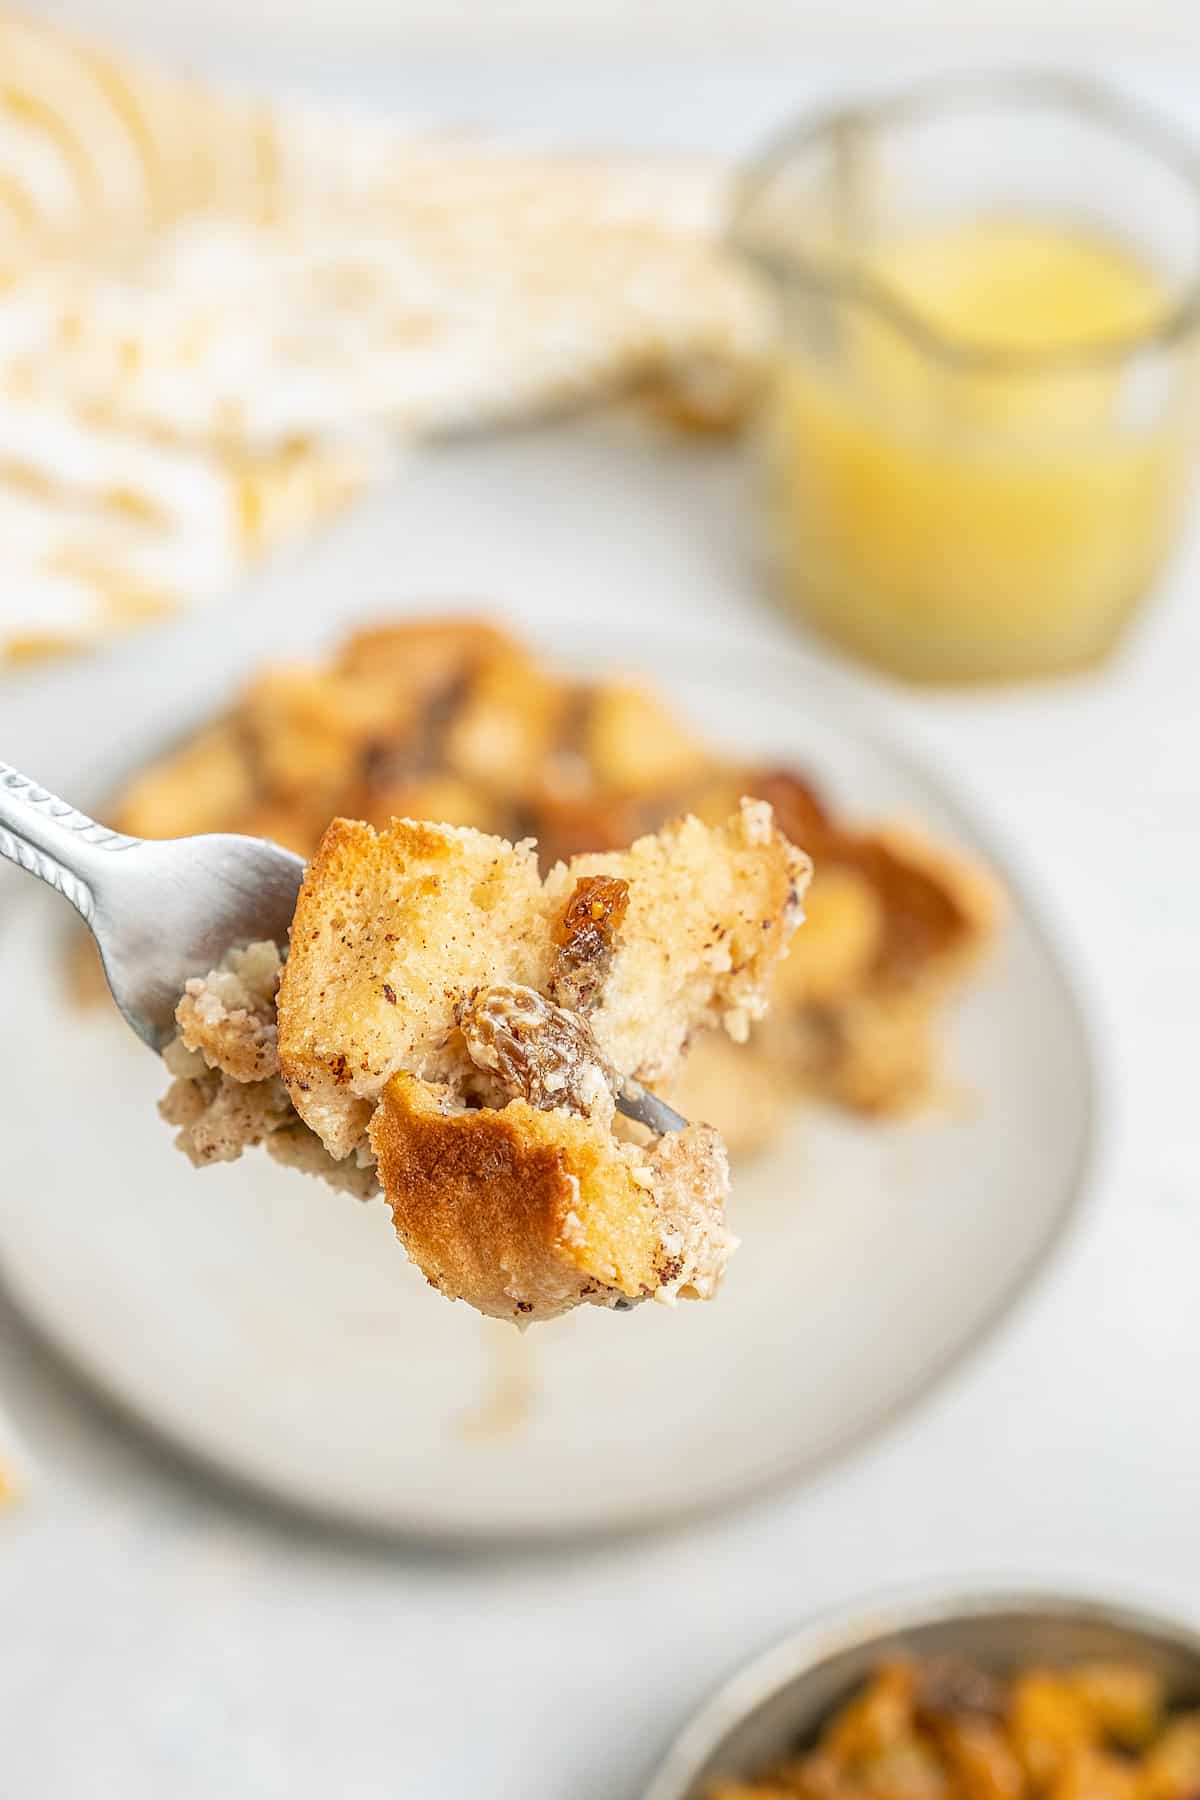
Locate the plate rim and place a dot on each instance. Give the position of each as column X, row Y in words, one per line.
column 868, row 712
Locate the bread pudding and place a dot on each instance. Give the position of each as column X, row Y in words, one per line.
column 944, row 1729
column 452, row 720
column 454, row 1028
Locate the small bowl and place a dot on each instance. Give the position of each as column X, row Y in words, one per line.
column 783, row 1697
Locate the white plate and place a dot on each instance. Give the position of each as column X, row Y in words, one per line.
column 274, row 1329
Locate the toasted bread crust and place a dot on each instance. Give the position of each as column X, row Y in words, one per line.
column 505, row 1208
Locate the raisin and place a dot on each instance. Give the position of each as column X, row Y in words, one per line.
column 585, row 935
column 537, row 1051
column 950, row 1688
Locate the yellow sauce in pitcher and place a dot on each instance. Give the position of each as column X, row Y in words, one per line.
column 996, row 513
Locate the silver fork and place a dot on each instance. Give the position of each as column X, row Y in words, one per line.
column 163, row 910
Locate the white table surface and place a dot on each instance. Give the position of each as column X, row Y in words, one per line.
column 163, row 1639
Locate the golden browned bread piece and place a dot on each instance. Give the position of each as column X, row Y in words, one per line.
column 872, row 1042
column 391, row 930
column 894, row 924
column 633, row 744
column 525, row 1213
column 470, row 1023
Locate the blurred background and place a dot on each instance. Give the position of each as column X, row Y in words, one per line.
column 932, row 27
column 809, row 399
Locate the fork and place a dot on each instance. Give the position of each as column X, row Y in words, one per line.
column 162, row 910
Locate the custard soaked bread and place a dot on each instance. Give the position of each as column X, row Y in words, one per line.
column 452, row 720
column 395, row 930
column 453, row 1020
column 420, row 1012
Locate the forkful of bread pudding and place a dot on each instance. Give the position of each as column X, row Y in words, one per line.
column 420, row 1013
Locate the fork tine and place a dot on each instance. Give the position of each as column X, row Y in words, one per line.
column 637, row 1102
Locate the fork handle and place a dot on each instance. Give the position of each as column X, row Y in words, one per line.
column 49, row 839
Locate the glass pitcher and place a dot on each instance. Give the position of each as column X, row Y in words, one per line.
column 978, row 424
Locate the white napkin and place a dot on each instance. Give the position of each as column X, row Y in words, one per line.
column 220, row 314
